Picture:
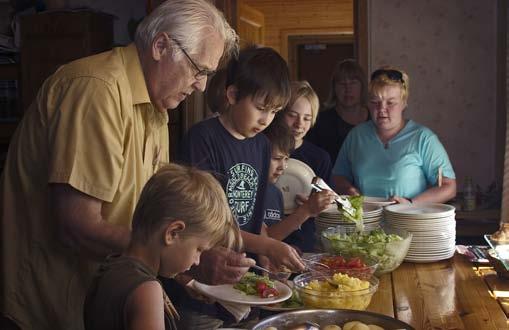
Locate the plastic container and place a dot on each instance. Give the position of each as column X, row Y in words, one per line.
column 374, row 244
column 326, row 296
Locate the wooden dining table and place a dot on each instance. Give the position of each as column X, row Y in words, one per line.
column 449, row 294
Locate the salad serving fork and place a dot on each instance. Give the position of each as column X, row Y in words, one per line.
column 319, row 185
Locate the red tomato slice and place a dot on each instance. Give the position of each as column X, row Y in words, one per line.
column 261, row 286
column 269, row 293
column 355, row 263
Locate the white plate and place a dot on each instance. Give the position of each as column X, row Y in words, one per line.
column 421, row 210
column 379, row 201
column 295, row 180
column 428, row 259
column 227, row 293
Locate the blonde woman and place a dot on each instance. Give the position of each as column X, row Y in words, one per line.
column 391, row 156
column 344, row 108
column 181, row 213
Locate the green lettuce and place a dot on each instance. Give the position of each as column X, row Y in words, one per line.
column 356, row 202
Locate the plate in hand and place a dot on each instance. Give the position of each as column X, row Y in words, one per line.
column 295, row 180
column 227, row 293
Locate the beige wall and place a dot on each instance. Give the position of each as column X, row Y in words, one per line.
column 285, row 15
column 449, row 50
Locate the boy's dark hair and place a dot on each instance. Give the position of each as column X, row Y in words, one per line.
column 260, row 72
column 215, row 94
column 280, row 136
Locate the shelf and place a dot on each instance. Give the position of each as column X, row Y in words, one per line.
column 9, row 71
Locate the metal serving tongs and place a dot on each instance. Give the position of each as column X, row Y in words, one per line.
column 318, row 184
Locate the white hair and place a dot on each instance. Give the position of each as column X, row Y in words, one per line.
column 190, row 22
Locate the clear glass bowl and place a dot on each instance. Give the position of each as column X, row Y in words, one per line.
column 365, row 272
column 374, row 244
column 325, row 296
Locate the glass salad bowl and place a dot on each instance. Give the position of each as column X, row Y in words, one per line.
column 388, row 246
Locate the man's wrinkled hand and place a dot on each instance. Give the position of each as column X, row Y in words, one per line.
column 221, row 266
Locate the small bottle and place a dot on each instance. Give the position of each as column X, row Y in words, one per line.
column 469, row 195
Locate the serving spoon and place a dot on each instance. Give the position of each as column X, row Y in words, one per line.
column 280, row 276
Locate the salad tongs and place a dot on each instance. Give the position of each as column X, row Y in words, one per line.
column 318, row 184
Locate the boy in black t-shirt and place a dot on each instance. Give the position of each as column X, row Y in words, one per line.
column 278, row 226
column 230, row 146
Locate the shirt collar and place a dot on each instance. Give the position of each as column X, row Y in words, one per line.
column 135, row 75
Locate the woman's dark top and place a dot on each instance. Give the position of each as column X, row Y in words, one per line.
column 115, row 280
column 316, row 158
column 329, row 132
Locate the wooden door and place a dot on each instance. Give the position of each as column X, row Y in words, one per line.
column 250, row 25
column 312, row 58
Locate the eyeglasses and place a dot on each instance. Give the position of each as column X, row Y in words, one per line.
column 393, row 75
column 200, row 73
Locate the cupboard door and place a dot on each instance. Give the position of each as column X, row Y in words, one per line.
column 50, row 39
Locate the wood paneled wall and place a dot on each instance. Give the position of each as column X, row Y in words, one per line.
column 283, row 16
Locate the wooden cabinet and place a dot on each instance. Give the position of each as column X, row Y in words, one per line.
column 50, row 39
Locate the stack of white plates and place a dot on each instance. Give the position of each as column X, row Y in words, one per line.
column 433, row 227
column 372, row 215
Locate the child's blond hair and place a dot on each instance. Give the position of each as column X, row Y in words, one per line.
column 178, row 192
column 303, row 89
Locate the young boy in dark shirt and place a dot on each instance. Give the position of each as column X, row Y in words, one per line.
column 279, row 226
column 257, row 87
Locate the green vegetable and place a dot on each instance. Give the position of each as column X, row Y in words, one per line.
column 356, row 202
column 373, row 244
column 247, row 283
column 293, row 302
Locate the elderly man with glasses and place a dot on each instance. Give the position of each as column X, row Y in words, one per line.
column 93, row 136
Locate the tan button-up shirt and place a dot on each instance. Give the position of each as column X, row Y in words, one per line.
column 92, row 126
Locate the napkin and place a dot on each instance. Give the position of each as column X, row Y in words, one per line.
column 239, row 311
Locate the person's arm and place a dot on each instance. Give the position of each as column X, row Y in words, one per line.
column 434, row 194
column 80, row 224
column 344, row 187
column 144, row 308
column 218, row 266
column 315, row 204
column 279, row 253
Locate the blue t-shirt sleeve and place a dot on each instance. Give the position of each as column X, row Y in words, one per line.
column 434, row 157
column 342, row 166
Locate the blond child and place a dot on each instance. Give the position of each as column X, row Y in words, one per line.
column 300, row 115
column 181, row 212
